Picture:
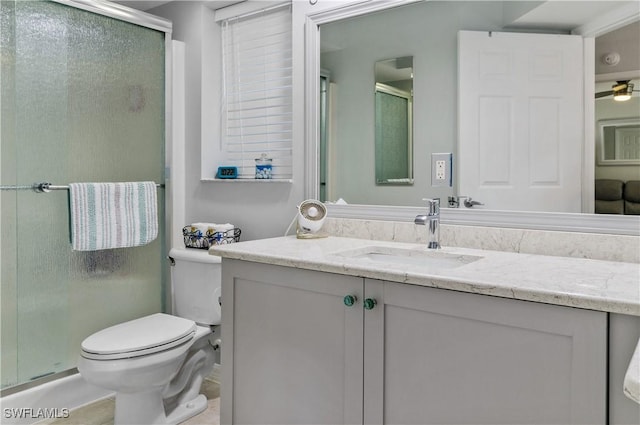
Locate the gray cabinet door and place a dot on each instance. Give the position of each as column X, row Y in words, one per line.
column 434, row 356
column 291, row 349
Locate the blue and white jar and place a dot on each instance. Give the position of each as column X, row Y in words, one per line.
column 263, row 167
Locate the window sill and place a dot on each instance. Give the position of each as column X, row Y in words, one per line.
column 213, row 180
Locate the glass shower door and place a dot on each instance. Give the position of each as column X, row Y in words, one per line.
column 82, row 101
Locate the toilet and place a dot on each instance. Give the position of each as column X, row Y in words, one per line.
column 156, row 364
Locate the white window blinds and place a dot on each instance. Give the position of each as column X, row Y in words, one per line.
column 257, row 82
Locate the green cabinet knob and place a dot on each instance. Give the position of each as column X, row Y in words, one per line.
column 369, row 303
column 349, row 300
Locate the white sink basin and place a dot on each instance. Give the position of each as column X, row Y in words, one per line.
column 431, row 259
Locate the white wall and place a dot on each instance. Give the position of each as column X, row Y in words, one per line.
column 260, row 210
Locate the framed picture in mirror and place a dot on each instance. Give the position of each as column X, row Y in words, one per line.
column 619, row 142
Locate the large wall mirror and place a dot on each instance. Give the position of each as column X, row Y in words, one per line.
column 350, row 44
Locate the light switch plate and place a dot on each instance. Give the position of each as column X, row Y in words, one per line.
column 441, row 169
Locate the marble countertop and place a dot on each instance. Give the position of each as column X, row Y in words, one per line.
column 573, row 282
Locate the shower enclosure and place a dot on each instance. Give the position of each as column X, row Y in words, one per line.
column 82, row 100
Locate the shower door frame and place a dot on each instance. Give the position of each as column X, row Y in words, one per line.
column 147, row 20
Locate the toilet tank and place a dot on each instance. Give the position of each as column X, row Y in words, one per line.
column 195, row 285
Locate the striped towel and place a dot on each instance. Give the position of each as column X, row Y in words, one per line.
column 112, row 215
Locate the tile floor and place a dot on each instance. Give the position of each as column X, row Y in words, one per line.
column 101, row 412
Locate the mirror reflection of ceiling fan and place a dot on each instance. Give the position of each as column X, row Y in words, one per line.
column 621, row 91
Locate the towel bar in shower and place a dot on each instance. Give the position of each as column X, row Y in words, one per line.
column 45, row 187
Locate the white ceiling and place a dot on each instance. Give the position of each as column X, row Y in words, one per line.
column 150, row 4
column 142, row 4
column 624, row 41
column 566, row 14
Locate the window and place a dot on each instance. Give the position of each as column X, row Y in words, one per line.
column 257, row 91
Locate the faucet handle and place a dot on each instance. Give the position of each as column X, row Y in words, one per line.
column 454, row 201
column 434, row 205
column 469, row 203
column 431, row 200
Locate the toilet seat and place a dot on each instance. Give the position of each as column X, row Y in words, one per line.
column 140, row 337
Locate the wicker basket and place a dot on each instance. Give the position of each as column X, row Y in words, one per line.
column 194, row 238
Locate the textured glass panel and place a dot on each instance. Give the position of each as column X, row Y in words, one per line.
column 89, row 107
column 41, row 116
column 8, row 265
column 392, row 137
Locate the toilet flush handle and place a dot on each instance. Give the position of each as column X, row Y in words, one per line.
column 216, row 344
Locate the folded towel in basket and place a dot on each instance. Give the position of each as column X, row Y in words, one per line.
column 211, row 228
column 112, row 215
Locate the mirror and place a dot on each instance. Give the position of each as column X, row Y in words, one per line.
column 619, row 142
column 427, row 31
column 394, row 121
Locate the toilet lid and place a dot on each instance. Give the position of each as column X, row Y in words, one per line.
column 139, row 337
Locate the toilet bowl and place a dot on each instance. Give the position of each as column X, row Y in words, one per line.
column 156, row 364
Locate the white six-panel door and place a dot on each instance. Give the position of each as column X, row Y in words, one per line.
column 520, row 120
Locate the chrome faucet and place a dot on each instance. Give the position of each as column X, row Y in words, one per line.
column 432, row 220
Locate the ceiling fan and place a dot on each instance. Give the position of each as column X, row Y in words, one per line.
column 621, row 91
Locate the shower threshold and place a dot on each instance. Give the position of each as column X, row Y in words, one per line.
column 62, row 391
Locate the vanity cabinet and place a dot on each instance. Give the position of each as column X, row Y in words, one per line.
column 436, row 356
column 293, row 352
